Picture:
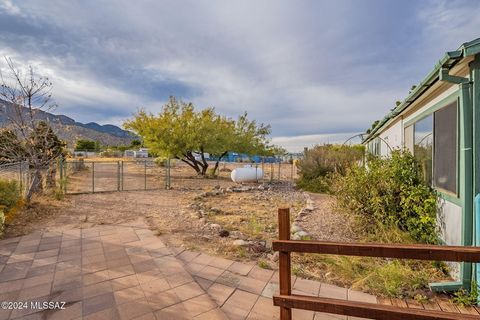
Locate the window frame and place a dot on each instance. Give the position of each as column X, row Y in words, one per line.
column 453, row 97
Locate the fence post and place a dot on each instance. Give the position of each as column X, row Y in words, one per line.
column 167, row 174
column 93, row 177
column 121, row 176
column 284, row 261
column 118, row 175
column 21, row 178
column 65, row 170
column 145, row 174
column 279, row 166
column 272, row 172
column 291, row 172
column 263, row 170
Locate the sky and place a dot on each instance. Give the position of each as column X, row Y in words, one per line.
column 316, row 71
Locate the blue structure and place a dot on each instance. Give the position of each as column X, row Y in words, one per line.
column 239, row 157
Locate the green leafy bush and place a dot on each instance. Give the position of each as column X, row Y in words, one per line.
column 390, row 192
column 9, row 194
column 320, row 162
column 161, row 161
column 9, row 198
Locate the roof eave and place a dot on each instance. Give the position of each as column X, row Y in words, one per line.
column 447, row 61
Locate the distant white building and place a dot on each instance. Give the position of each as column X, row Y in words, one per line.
column 84, row 154
column 140, row 153
column 198, row 156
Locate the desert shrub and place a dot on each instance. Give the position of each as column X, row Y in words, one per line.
column 9, row 198
column 161, row 161
column 320, row 162
column 9, row 194
column 390, row 192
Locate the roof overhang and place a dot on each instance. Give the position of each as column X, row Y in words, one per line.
column 448, row 61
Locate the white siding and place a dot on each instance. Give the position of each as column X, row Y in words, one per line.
column 450, row 219
column 392, row 136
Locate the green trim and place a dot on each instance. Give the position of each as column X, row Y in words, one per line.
column 475, row 77
column 437, row 106
column 445, row 286
column 466, row 172
column 450, row 197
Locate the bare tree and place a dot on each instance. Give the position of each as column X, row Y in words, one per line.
column 27, row 95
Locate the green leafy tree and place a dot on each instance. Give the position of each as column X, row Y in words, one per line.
column 11, row 148
column 136, row 143
column 88, row 145
column 181, row 132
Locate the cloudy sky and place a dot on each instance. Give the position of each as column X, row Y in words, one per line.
column 316, row 71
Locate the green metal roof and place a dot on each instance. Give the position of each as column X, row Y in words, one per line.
column 447, row 61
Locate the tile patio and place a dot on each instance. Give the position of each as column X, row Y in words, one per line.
column 126, row 272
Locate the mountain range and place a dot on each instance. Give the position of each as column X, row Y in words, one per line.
column 70, row 131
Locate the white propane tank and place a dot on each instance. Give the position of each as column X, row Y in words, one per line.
column 246, row 174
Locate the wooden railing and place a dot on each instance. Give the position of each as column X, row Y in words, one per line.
column 288, row 301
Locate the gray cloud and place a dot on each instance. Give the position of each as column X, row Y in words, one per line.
column 306, row 67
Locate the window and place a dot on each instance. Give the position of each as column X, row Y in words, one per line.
column 445, row 148
column 435, row 147
column 423, row 146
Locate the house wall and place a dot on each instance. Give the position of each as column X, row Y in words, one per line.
column 393, row 137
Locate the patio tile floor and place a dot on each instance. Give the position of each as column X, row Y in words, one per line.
column 126, row 272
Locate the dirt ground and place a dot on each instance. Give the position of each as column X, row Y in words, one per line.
column 210, row 218
column 327, row 223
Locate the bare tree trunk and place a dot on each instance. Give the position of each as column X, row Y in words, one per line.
column 218, row 162
column 205, row 163
column 51, row 175
column 189, row 159
column 35, row 185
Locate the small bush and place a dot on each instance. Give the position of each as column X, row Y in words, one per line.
column 390, row 192
column 9, row 194
column 464, row 298
column 161, row 161
column 320, row 162
column 9, row 198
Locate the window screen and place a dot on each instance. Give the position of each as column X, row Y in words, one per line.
column 445, row 148
column 422, row 148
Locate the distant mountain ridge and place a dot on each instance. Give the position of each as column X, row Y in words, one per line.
column 70, row 130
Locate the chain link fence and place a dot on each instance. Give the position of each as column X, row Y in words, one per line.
column 89, row 176
column 17, row 171
column 84, row 176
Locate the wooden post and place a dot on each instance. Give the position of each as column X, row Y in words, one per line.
column 284, row 261
column 145, row 174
